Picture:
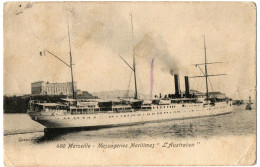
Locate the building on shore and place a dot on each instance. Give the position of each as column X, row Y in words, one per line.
column 46, row 88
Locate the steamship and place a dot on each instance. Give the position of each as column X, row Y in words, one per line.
column 98, row 113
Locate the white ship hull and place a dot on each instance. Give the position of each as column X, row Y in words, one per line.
column 158, row 113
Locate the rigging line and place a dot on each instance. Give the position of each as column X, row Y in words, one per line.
column 128, row 90
column 200, row 88
column 208, row 78
column 54, row 56
column 201, row 71
column 198, row 84
column 211, row 85
column 126, row 63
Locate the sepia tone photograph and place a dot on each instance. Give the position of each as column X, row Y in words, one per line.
column 129, row 83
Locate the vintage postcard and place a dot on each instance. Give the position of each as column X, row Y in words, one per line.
column 129, row 83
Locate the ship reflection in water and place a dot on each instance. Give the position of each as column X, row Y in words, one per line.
column 200, row 127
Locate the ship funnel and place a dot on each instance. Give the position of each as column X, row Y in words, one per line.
column 177, row 85
column 187, row 86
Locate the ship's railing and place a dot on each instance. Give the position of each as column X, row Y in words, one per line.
column 74, row 111
column 83, row 110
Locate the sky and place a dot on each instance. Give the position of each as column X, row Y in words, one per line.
column 171, row 33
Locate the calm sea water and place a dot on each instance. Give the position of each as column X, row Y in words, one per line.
column 241, row 122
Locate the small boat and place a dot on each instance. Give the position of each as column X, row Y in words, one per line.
column 248, row 106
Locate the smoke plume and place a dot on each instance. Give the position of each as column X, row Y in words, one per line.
column 115, row 34
column 151, row 47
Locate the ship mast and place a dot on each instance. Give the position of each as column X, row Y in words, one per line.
column 206, row 71
column 71, row 70
column 134, row 64
column 205, row 74
column 57, row 57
